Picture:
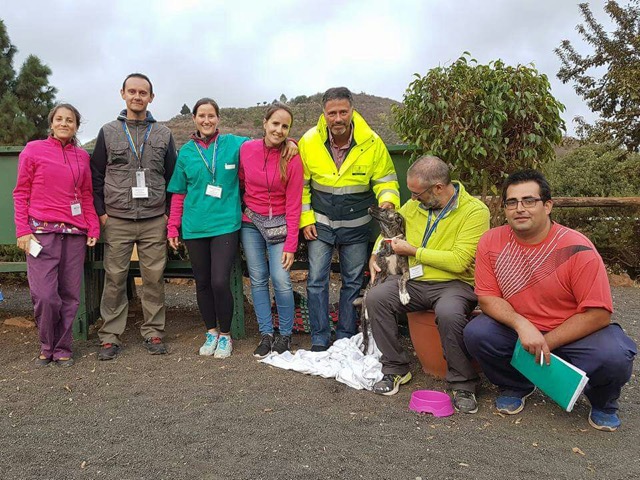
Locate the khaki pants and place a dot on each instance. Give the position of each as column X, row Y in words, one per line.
column 151, row 238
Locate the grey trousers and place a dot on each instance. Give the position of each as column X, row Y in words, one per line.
column 452, row 303
column 119, row 237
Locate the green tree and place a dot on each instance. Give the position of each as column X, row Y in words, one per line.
column 609, row 78
column 484, row 120
column 35, row 96
column 25, row 99
column 283, row 98
column 185, row 110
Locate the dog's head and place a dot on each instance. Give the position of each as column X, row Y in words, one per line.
column 391, row 222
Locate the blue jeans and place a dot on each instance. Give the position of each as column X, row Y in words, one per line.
column 260, row 269
column 352, row 262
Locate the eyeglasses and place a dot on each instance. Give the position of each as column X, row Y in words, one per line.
column 512, row 203
column 416, row 195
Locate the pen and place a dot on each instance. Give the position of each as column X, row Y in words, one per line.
column 541, row 358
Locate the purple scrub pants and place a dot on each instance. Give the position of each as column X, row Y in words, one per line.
column 55, row 278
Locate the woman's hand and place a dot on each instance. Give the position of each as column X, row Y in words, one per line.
column 174, row 243
column 91, row 241
column 287, row 260
column 290, row 149
column 24, row 240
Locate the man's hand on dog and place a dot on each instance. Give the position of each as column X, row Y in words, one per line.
column 402, row 247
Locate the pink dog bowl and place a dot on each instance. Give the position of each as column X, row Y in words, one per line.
column 430, row 401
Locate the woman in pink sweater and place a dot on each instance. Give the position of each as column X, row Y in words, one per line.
column 273, row 193
column 55, row 219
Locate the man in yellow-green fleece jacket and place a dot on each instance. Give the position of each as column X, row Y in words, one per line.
column 443, row 226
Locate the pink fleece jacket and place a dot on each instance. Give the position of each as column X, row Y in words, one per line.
column 50, row 177
column 259, row 174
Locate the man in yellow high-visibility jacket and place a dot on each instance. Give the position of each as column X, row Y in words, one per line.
column 347, row 168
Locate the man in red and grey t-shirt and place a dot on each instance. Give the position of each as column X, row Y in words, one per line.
column 546, row 285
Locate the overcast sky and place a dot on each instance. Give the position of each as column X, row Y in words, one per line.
column 242, row 52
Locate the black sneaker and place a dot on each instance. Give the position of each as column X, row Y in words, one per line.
column 319, row 348
column 264, row 347
column 282, row 344
column 465, row 401
column 155, row 346
column 390, row 383
column 109, row 351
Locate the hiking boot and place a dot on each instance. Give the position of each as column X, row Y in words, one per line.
column 282, row 344
column 390, row 383
column 264, row 347
column 603, row 421
column 155, row 346
column 512, row 404
column 109, row 351
column 65, row 362
column 465, row 401
column 319, row 348
column 224, row 348
column 209, row 346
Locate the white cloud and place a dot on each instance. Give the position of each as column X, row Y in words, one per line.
column 245, row 51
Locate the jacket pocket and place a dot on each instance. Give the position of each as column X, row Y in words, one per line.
column 118, row 154
column 117, row 188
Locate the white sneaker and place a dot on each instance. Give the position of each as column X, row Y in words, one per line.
column 225, row 347
column 210, row 344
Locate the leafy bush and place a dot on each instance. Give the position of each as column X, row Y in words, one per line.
column 601, row 171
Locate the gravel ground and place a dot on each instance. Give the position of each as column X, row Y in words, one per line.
column 182, row 416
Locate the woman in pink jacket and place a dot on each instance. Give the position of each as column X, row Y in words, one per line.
column 55, row 219
column 273, row 197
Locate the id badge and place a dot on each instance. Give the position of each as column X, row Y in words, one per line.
column 213, row 191
column 140, row 192
column 141, row 180
column 76, row 208
column 415, row 271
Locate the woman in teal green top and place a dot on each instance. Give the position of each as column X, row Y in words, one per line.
column 206, row 201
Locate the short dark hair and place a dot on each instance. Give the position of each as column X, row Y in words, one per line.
column 430, row 168
column 337, row 93
column 73, row 110
column 524, row 176
column 138, row 75
column 205, row 101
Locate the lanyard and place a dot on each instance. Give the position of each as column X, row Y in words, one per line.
column 432, row 228
column 212, row 168
column 127, row 133
column 73, row 175
column 265, row 152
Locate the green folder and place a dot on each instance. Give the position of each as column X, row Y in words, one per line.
column 560, row 380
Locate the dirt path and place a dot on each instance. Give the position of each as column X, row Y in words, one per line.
column 182, row 416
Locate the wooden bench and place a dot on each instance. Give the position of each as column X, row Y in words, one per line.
column 427, row 344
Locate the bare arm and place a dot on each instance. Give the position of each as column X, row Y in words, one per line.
column 578, row 326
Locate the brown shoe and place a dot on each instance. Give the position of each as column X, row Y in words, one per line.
column 155, row 346
column 109, row 351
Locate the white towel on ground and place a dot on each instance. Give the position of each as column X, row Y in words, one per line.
column 343, row 361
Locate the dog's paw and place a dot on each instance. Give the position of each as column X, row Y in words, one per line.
column 405, row 298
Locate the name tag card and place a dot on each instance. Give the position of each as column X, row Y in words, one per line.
column 213, row 191
column 415, row 272
column 76, row 209
column 140, row 192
